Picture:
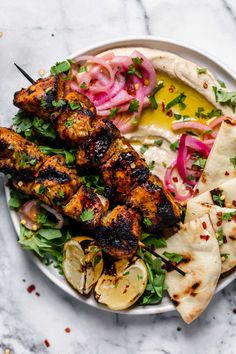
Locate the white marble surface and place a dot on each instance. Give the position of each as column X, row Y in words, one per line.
column 35, row 35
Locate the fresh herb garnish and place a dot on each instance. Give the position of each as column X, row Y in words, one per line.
column 177, row 100
column 147, row 222
column 215, row 113
column 143, row 148
column 42, row 189
column 174, row 146
column 152, row 98
column 199, row 113
column 95, row 182
column 137, row 61
column 200, row 162
column 233, row 160
column 59, row 103
column 83, row 69
column 43, row 103
column 217, row 199
column 133, row 71
column 96, row 260
column 69, row 155
column 158, row 142
column 228, row 216
column 113, row 112
column 173, row 257
column 133, row 106
column 220, row 236
column 16, row 199
column 201, row 70
column 223, row 96
column 222, row 84
column 152, row 241
column 87, row 215
column 69, row 123
column 61, row 67
column 83, row 85
column 75, row 105
column 225, row 256
column 151, row 165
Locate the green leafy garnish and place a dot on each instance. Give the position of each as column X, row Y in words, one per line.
column 152, row 241
column 87, row 215
column 83, row 85
column 59, row 103
column 215, row 113
column 220, row 236
column 69, row 123
column 174, row 146
column 222, row 84
column 152, row 98
column 200, row 162
column 16, row 199
column 83, row 69
column 113, row 112
column 217, row 199
column 151, row 165
column 143, row 148
column 133, row 106
column 96, row 260
column 223, row 96
column 201, row 70
column 137, row 60
column 177, row 100
column 228, row 216
column 43, row 103
column 225, row 256
column 75, row 105
column 95, row 182
column 133, row 71
column 233, row 160
column 199, row 113
column 158, row 142
column 61, row 67
column 147, row 222
column 68, row 154
column 126, row 273
column 173, row 257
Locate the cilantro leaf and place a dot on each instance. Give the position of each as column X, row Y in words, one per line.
column 151, row 165
column 143, row 148
column 60, row 67
column 113, row 112
column 220, row 236
column 133, row 71
column 223, row 96
column 95, row 182
column 133, row 106
column 147, row 222
column 174, row 146
column 233, row 160
column 137, row 60
column 75, row 105
column 59, row 103
column 87, row 215
column 200, row 162
column 158, row 142
column 69, row 123
column 173, row 257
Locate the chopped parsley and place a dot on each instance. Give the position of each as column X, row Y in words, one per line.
column 152, row 98
column 201, row 70
column 61, row 67
column 143, row 148
column 133, row 106
column 126, row 273
column 87, row 215
column 61, row 194
column 225, row 256
column 174, row 146
column 95, row 182
column 233, row 160
column 177, row 100
column 158, row 142
column 113, row 112
column 199, row 113
column 26, row 161
column 173, row 257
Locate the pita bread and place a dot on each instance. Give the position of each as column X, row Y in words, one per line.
column 219, row 168
column 197, row 243
column 199, row 206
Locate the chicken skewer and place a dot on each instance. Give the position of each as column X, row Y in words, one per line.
column 48, row 179
column 127, row 177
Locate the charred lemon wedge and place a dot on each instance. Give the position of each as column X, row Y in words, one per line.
column 82, row 263
column 123, row 284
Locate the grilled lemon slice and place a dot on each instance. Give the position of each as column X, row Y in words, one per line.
column 121, row 286
column 82, row 263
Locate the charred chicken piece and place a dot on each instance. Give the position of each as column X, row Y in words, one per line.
column 100, row 146
column 40, row 98
column 86, row 207
column 124, row 171
column 18, row 155
column 55, row 182
column 120, row 232
column 75, row 126
column 155, row 204
column 76, row 98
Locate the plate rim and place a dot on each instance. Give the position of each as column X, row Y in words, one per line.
column 46, row 270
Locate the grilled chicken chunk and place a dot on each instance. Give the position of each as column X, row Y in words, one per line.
column 124, row 171
column 18, row 155
column 55, row 182
column 40, row 98
column 85, row 206
column 120, row 232
column 100, row 146
column 156, row 205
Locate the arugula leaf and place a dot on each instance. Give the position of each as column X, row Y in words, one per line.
column 60, row 67
column 133, row 106
column 233, row 160
column 201, row 70
column 87, row 215
column 223, row 96
column 173, row 257
column 174, row 146
column 177, row 100
column 152, row 98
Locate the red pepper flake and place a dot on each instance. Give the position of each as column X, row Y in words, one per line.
column 37, row 294
column 234, row 203
column 204, row 225
column 225, row 239
column 205, row 237
column 31, row 288
column 175, row 179
column 46, row 342
column 219, row 223
column 163, row 106
column 169, row 113
column 67, row 330
column 226, row 173
column 219, row 214
column 205, row 85
column 234, row 310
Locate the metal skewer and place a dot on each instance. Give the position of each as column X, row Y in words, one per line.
column 155, row 254
column 25, row 74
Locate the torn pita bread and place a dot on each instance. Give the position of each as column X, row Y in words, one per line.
column 197, row 243
column 219, row 168
column 198, row 206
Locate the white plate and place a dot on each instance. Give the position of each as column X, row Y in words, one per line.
column 220, row 71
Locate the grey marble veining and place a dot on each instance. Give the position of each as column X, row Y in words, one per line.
column 35, row 35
